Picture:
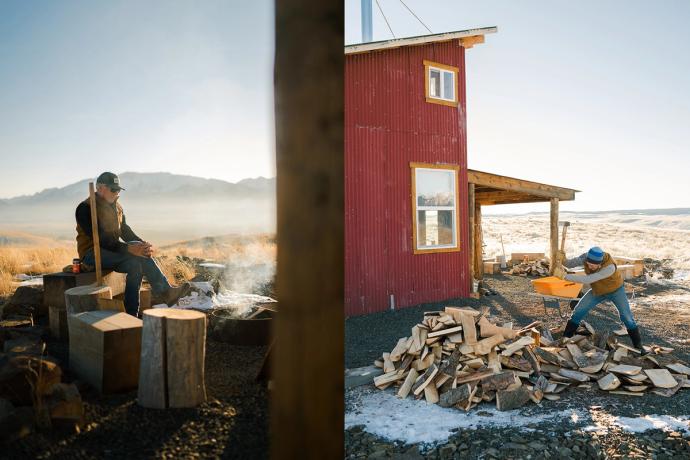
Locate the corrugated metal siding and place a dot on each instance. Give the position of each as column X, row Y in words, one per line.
column 388, row 124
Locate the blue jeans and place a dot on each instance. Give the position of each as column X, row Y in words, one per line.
column 136, row 268
column 590, row 301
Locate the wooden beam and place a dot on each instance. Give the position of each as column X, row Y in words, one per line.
column 469, row 42
column 307, row 406
column 478, row 250
column 554, row 233
column 519, row 185
column 471, row 208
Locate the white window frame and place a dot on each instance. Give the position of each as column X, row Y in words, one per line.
column 455, row 245
column 442, row 69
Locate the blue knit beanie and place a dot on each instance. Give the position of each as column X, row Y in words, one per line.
column 595, row 255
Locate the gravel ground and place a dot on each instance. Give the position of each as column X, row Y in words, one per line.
column 233, row 423
column 661, row 322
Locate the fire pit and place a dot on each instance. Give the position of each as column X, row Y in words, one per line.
column 226, row 326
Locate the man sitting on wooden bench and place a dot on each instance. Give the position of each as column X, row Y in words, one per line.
column 133, row 257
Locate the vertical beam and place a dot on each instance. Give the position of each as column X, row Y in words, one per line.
column 478, row 249
column 554, row 233
column 307, row 405
column 471, row 209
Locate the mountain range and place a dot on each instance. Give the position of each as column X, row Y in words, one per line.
column 161, row 206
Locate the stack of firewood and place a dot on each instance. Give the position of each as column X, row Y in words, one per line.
column 535, row 268
column 458, row 358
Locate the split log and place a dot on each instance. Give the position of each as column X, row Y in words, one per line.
column 388, row 365
column 518, row 363
column 609, row 382
column 574, row 375
column 679, row 368
column 519, row 344
column 484, row 346
column 626, row 369
column 424, row 380
column 451, row 330
column 65, row 405
column 172, row 358
column 533, row 361
column 431, row 394
column 453, row 396
column 486, row 329
column 508, row 400
column 407, row 384
column 468, row 328
column 661, row 378
column 387, row 378
column 499, row 381
column 400, row 348
column 547, row 356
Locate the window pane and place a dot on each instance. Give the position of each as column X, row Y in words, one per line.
column 435, row 228
column 435, row 187
column 448, row 86
column 434, row 83
column 445, row 227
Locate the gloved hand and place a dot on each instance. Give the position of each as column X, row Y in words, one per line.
column 559, row 271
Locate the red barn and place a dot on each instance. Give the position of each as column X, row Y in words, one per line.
column 411, row 205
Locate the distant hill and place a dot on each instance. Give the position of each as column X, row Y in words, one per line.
column 158, row 206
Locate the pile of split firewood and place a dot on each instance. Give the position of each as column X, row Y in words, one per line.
column 535, row 268
column 458, row 358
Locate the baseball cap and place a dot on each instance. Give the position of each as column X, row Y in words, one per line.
column 109, row 179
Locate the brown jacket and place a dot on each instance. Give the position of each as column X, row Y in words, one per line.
column 112, row 227
column 607, row 285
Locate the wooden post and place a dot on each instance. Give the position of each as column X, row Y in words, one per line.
column 471, row 209
column 96, row 238
column 478, row 247
column 307, row 406
column 554, row 233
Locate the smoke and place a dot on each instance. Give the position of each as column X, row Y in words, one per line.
column 251, row 270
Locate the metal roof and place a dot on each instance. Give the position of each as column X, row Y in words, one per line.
column 420, row 40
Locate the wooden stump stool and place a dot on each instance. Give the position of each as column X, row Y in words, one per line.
column 172, row 358
column 85, row 298
column 105, row 348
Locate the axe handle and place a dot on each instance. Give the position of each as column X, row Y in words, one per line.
column 565, row 230
column 94, row 232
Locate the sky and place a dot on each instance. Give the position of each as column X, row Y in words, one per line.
column 160, row 85
column 589, row 95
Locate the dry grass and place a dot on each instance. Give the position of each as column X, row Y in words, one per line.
column 173, row 259
column 33, row 261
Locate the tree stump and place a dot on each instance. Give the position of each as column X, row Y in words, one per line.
column 85, row 298
column 172, row 359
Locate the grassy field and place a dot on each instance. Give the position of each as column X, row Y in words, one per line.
column 23, row 254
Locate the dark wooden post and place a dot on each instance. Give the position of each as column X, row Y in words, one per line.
column 307, row 408
column 554, row 233
column 478, row 246
column 471, row 246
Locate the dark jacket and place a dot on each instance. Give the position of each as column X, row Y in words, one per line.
column 112, row 227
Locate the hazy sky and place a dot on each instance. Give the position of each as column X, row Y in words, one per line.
column 178, row 86
column 590, row 95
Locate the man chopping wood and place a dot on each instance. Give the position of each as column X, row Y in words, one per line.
column 607, row 284
column 121, row 249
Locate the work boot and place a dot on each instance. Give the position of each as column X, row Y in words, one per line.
column 636, row 340
column 172, row 295
column 570, row 329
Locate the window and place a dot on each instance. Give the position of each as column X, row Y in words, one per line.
column 434, row 208
column 441, row 83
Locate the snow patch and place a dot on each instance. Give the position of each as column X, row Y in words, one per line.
column 653, row 422
column 415, row 421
